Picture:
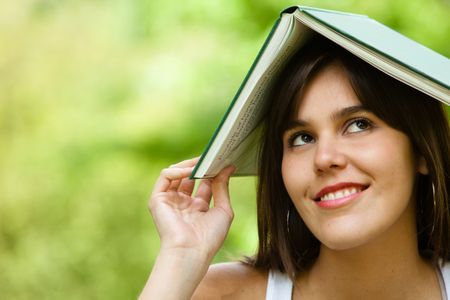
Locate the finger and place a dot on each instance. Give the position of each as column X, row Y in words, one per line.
column 199, row 205
column 168, row 175
column 187, row 163
column 204, row 190
column 186, row 186
column 174, row 185
column 220, row 190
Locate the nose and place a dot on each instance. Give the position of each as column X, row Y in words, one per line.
column 329, row 156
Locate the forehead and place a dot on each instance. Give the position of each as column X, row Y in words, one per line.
column 328, row 91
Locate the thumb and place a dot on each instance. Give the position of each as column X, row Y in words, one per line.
column 220, row 190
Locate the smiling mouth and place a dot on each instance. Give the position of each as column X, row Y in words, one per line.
column 341, row 193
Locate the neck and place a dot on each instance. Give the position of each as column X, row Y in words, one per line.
column 390, row 265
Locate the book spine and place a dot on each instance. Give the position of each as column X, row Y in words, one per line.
column 195, row 173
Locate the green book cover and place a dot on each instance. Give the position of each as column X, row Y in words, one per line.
column 236, row 139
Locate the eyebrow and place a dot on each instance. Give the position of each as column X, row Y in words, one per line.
column 337, row 115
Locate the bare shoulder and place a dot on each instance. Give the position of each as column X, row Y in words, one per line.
column 232, row 281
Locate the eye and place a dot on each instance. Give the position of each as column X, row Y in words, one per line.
column 358, row 125
column 300, row 139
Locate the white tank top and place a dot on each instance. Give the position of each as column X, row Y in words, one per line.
column 279, row 285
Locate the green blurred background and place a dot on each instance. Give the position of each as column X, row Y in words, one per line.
column 96, row 97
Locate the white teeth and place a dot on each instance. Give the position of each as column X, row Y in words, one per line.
column 340, row 194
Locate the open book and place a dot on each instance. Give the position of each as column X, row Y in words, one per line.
column 236, row 139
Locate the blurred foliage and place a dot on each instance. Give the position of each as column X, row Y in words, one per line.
column 96, row 97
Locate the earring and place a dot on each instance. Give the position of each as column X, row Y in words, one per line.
column 433, row 189
column 288, row 216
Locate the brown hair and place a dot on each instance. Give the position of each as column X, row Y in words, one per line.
column 285, row 243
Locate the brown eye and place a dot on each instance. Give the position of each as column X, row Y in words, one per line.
column 358, row 125
column 300, row 139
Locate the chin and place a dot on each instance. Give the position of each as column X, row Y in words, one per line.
column 345, row 240
column 342, row 244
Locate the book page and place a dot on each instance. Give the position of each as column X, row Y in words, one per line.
column 240, row 141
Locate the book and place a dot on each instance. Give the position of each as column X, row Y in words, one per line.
column 236, row 139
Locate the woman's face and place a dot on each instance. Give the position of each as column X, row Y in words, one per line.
column 348, row 173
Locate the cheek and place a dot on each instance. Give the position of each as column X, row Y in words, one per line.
column 392, row 160
column 286, row 174
column 295, row 173
column 394, row 173
column 386, row 152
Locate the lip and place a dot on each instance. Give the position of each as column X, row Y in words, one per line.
column 341, row 201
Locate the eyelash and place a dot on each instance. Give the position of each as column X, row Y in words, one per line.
column 294, row 136
column 349, row 123
column 355, row 120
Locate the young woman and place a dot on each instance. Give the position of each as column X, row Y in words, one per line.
column 353, row 195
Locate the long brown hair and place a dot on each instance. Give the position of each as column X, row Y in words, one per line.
column 285, row 243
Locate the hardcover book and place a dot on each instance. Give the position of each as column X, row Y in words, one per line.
column 236, row 139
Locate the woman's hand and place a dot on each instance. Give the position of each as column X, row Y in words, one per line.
column 191, row 231
column 185, row 222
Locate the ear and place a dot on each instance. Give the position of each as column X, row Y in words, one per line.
column 422, row 167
